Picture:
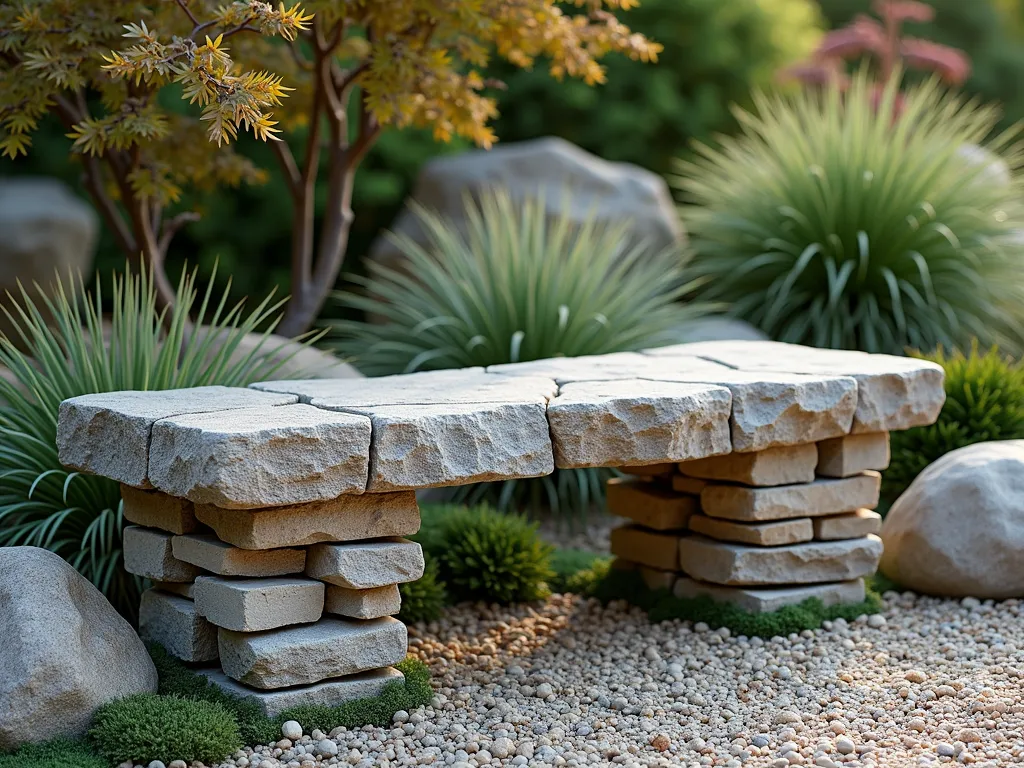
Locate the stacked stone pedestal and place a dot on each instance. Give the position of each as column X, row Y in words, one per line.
column 306, row 621
column 759, row 529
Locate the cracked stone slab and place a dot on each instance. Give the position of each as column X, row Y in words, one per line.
column 464, row 386
column 637, row 544
column 148, row 553
column 650, row 505
column 770, row 534
column 174, row 623
column 822, row 497
column 846, row 456
column 108, row 434
column 764, row 600
column 812, row 562
column 893, row 392
column 366, row 564
column 155, row 509
column 310, row 653
column 329, row 693
column 363, row 603
column 633, row 421
column 848, row 526
column 430, row 446
column 256, row 605
column 260, row 457
column 785, row 465
column 346, row 518
column 211, row 554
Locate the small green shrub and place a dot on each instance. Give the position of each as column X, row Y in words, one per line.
column 578, row 571
column 984, row 401
column 854, row 220
column 146, row 727
column 425, row 598
column 59, row 753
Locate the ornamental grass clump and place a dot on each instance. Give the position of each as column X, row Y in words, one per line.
column 863, row 219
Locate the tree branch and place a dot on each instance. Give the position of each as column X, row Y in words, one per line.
column 286, row 160
column 183, row 4
column 93, row 178
column 171, row 227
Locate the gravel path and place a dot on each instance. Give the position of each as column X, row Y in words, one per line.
column 569, row 683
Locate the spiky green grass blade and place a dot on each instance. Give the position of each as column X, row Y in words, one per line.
column 860, row 220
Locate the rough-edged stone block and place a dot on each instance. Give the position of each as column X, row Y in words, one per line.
column 346, row 518
column 429, row 446
column 614, row 423
column 813, row 562
column 657, row 579
column 568, row 370
column 108, row 434
column 650, row 471
column 260, row 457
column 848, row 526
column 366, row 564
column 650, row 505
column 646, row 547
column 313, row 652
column 148, row 553
column 822, row 497
column 211, row 554
column 772, row 534
column 179, row 588
column 155, row 509
column 174, row 623
column 255, row 605
column 766, row 599
column 363, row 603
column 329, row 693
column 690, row 485
column 784, row 465
column 846, row 456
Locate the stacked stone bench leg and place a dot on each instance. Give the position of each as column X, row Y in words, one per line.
column 761, row 529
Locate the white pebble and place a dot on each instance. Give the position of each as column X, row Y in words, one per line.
column 291, row 730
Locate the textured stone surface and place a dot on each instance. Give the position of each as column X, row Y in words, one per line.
column 772, row 534
column 211, row 554
column 313, row 652
column 691, row 485
column 429, row 446
column 148, row 553
column 255, row 605
column 719, row 562
column 650, row 505
column 646, row 547
column 846, row 456
column 775, row 466
column 108, row 434
column 848, row 526
column 179, row 588
column 61, row 642
column 764, row 600
column 822, row 497
column 329, row 693
column 155, row 509
column 346, row 518
column 958, row 530
column 363, row 603
column 656, row 578
column 892, row 392
column 366, row 564
column 173, row 622
column 591, row 368
column 260, row 457
column 613, row 423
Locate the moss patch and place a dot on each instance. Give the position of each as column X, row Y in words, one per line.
column 59, row 753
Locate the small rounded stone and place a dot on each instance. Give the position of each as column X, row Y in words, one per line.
column 291, row 730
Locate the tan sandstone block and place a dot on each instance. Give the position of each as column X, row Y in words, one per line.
column 817, row 499
column 363, row 603
column 785, row 465
column 156, row 509
column 846, row 456
column 346, row 518
column 772, row 534
column 813, row 562
column 850, row 526
column 650, row 470
column 213, row 555
column 646, row 547
column 147, row 553
column 765, row 599
column 256, row 605
column 690, row 485
column 650, row 505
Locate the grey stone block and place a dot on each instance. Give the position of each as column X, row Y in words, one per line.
column 771, row 534
column 148, row 553
column 211, row 554
column 255, row 605
column 766, row 599
column 822, row 497
column 785, row 465
column 363, row 603
column 174, row 623
column 366, row 564
column 156, row 509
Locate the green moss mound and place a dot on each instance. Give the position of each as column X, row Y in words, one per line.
column 661, row 605
column 578, row 571
column 59, row 753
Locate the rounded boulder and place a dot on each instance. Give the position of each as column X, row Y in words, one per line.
column 958, row 530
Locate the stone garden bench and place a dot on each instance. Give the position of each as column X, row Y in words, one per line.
column 270, row 519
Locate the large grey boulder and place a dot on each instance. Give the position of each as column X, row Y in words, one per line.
column 571, row 181
column 65, row 650
column 958, row 530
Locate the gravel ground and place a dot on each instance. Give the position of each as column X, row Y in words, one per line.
column 571, row 683
column 594, row 535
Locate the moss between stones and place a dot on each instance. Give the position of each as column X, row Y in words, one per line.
column 59, row 753
column 662, row 605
